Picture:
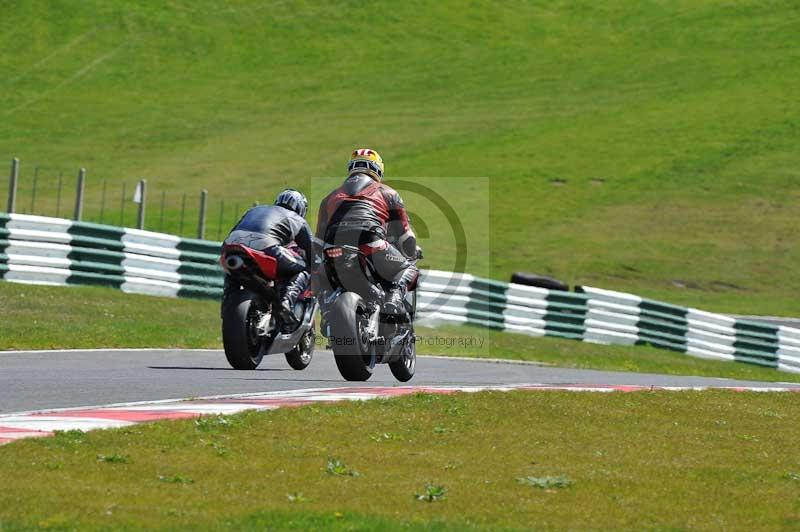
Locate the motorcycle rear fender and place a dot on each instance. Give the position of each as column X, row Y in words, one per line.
column 267, row 264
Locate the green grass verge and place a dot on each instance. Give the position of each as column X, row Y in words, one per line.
column 483, row 343
column 42, row 317
column 646, row 146
column 54, row 317
column 558, row 460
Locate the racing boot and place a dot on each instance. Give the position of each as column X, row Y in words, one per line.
column 289, row 294
column 395, row 301
column 396, row 298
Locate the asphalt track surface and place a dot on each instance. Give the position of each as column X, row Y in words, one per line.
column 36, row 380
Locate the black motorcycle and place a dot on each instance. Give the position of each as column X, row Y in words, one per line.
column 360, row 335
column 251, row 322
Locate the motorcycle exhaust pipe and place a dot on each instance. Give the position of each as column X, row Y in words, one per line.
column 234, row 262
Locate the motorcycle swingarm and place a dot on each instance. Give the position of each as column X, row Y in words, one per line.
column 390, row 351
column 284, row 342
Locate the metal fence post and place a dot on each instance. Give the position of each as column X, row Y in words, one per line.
column 201, row 223
column 79, row 195
column 142, row 201
column 122, row 207
column 58, row 193
column 103, row 201
column 33, row 189
column 221, row 215
column 12, row 185
column 183, row 212
column 161, row 216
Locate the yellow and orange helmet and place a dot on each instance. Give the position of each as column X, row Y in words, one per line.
column 366, row 161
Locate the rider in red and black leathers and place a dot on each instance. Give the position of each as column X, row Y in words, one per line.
column 365, row 212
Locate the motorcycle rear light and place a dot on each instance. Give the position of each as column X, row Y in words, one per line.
column 334, row 253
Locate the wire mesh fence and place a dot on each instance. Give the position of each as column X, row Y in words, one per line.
column 150, row 204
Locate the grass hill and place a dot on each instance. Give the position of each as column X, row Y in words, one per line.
column 646, row 146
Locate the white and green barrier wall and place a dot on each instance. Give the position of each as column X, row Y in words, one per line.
column 41, row 250
column 607, row 317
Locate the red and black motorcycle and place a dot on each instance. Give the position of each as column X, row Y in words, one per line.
column 251, row 323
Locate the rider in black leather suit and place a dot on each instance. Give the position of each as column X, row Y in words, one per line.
column 279, row 230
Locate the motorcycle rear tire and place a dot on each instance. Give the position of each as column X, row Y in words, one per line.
column 351, row 350
column 242, row 351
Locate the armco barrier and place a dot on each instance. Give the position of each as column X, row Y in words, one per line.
column 604, row 316
column 616, row 317
column 35, row 249
column 40, row 250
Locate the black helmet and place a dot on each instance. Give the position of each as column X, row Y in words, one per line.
column 294, row 200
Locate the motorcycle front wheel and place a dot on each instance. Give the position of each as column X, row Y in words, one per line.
column 403, row 368
column 350, row 340
column 300, row 357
